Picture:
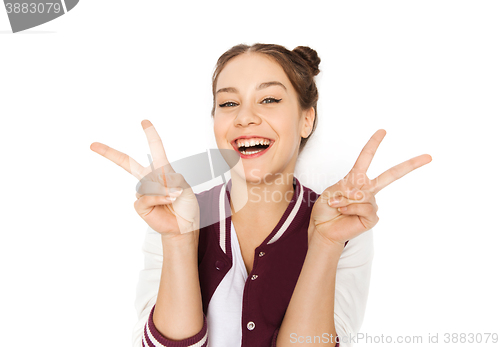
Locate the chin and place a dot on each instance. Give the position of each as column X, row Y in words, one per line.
column 248, row 174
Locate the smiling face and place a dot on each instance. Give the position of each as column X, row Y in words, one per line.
column 257, row 105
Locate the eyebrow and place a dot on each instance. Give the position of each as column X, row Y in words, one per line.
column 269, row 84
column 261, row 86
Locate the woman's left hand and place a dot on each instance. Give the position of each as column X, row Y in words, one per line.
column 355, row 193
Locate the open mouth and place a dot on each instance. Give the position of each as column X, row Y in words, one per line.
column 252, row 146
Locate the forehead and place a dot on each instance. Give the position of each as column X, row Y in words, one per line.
column 251, row 69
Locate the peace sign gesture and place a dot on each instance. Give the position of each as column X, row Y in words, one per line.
column 348, row 208
column 164, row 199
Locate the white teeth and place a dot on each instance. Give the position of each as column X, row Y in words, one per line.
column 252, row 142
column 251, row 152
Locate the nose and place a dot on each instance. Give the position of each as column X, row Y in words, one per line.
column 246, row 115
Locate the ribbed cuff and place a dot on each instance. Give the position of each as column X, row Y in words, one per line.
column 275, row 338
column 151, row 337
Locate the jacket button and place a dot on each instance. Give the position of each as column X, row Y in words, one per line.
column 261, row 254
column 219, row 265
column 251, row 325
column 254, row 277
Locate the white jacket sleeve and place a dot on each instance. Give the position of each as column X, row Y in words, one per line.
column 148, row 283
column 351, row 286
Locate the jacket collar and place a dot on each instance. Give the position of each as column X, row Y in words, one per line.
column 278, row 231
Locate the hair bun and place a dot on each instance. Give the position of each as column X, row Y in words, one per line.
column 309, row 55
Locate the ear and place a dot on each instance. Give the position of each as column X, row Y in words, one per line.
column 307, row 126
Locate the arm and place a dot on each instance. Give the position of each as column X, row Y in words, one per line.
column 310, row 312
column 352, row 283
column 344, row 211
column 179, row 311
column 168, row 299
column 170, row 276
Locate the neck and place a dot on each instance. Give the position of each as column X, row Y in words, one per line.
column 262, row 200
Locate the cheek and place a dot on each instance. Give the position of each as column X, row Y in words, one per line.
column 287, row 126
column 220, row 129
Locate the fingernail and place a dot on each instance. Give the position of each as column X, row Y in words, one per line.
column 342, row 209
column 170, row 198
column 175, row 191
column 333, row 202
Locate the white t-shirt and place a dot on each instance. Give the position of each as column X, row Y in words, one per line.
column 225, row 307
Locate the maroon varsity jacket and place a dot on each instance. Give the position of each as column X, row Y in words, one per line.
column 269, row 287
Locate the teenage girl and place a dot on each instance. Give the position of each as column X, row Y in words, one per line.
column 261, row 260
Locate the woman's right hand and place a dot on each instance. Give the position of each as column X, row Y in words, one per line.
column 168, row 213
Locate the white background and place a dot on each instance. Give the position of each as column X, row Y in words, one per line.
column 426, row 71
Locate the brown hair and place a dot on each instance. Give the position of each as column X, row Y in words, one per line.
column 300, row 66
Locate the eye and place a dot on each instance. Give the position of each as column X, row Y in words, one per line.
column 270, row 100
column 228, row 104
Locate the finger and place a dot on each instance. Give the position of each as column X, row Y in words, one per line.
column 146, row 187
column 156, row 146
column 353, row 197
column 176, row 180
column 154, row 188
column 172, row 192
column 365, row 213
column 363, row 210
column 398, row 171
column 342, row 197
column 119, row 158
column 358, row 195
column 368, row 151
column 145, row 204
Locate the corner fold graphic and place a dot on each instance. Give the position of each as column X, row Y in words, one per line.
column 70, row 4
column 26, row 15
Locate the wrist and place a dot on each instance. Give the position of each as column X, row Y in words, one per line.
column 322, row 256
column 323, row 242
column 172, row 242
